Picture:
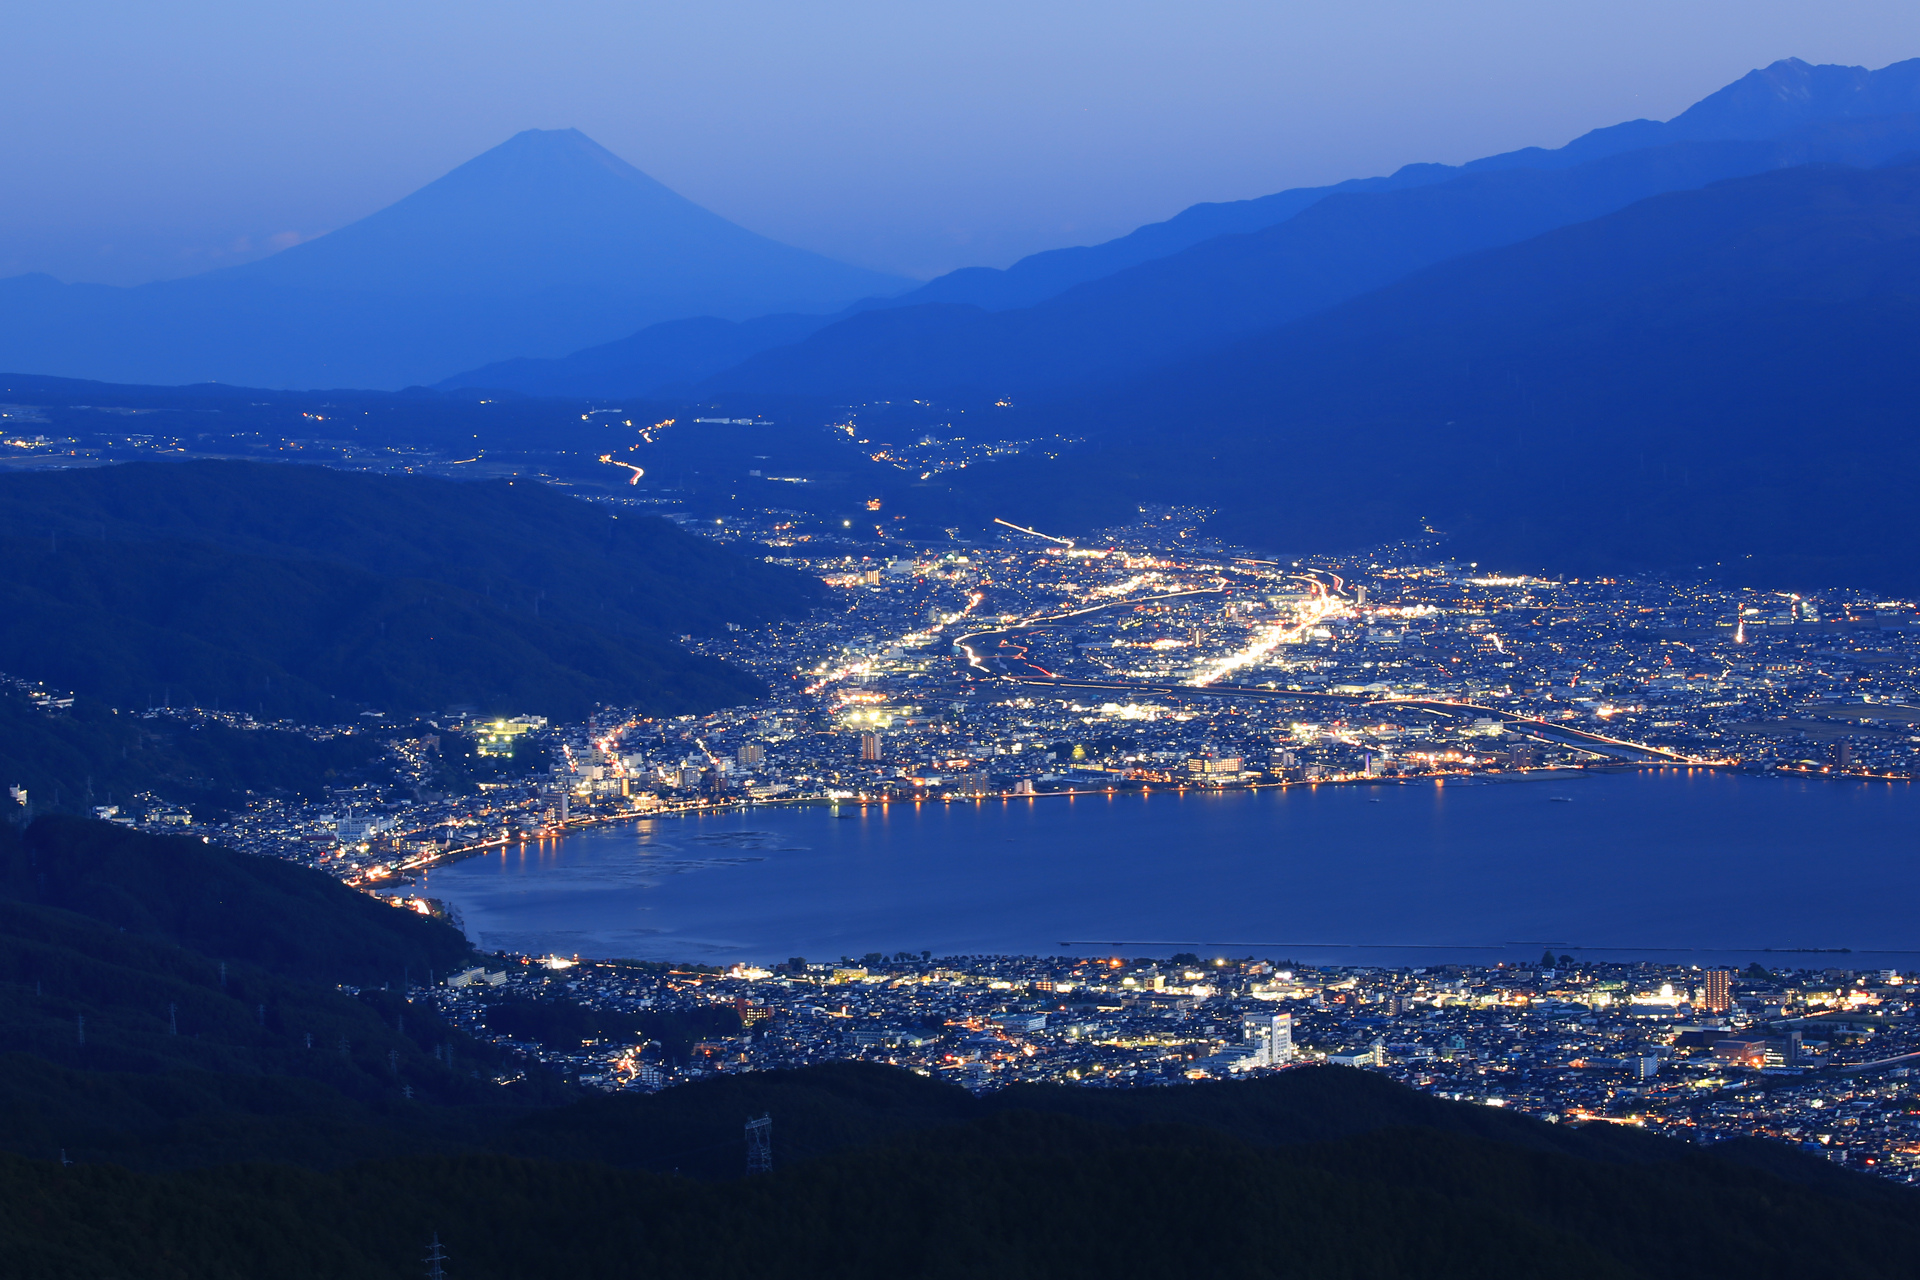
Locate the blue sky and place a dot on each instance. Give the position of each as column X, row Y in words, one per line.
column 146, row 140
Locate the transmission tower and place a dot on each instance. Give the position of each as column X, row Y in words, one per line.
column 435, row 1256
column 760, row 1145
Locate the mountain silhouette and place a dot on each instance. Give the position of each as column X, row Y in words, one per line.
column 1170, row 288
column 1761, row 104
column 554, row 210
column 1177, row 306
column 543, row 245
column 1721, row 378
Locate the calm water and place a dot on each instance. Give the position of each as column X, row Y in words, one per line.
column 1678, row 863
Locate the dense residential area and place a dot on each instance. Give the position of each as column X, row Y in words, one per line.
column 1817, row 1057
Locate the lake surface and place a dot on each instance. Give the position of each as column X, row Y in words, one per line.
column 1681, row 864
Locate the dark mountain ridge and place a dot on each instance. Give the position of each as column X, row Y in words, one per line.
column 1764, row 103
column 1342, row 246
column 1722, row 377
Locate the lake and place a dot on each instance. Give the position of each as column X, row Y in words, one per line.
column 1668, row 864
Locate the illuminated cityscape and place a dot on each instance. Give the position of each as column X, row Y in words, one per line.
column 1153, row 660
column 1150, row 658
column 1820, row 1057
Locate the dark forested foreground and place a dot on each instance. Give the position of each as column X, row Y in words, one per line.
column 1011, row 1192
column 309, row 593
column 174, row 1028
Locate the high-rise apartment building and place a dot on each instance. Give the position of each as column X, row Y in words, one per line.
column 1717, row 994
column 869, row 746
column 1273, row 1033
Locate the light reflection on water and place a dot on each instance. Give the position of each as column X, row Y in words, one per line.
column 1651, row 864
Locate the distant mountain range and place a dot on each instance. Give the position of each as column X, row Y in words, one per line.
column 1665, row 345
column 1070, row 318
column 543, row 245
column 1767, row 103
column 548, row 266
column 1170, row 308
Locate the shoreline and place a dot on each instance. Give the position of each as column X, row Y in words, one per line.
column 924, row 853
column 407, row 873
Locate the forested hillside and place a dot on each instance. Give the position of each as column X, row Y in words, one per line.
column 303, row 592
column 92, row 753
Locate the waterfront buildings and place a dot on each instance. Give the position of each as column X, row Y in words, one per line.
column 1150, row 658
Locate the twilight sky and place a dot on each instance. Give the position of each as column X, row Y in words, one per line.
column 149, row 140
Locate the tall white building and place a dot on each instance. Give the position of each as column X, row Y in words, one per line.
column 1272, row 1036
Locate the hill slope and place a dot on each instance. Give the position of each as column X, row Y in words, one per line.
column 90, row 754
column 1722, row 376
column 164, row 1002
column 543, row 245
column 306, row 592
column 1024, row 1193
column 180, row 892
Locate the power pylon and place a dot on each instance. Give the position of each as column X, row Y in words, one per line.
column 760, row 1145
column 435, row 1256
